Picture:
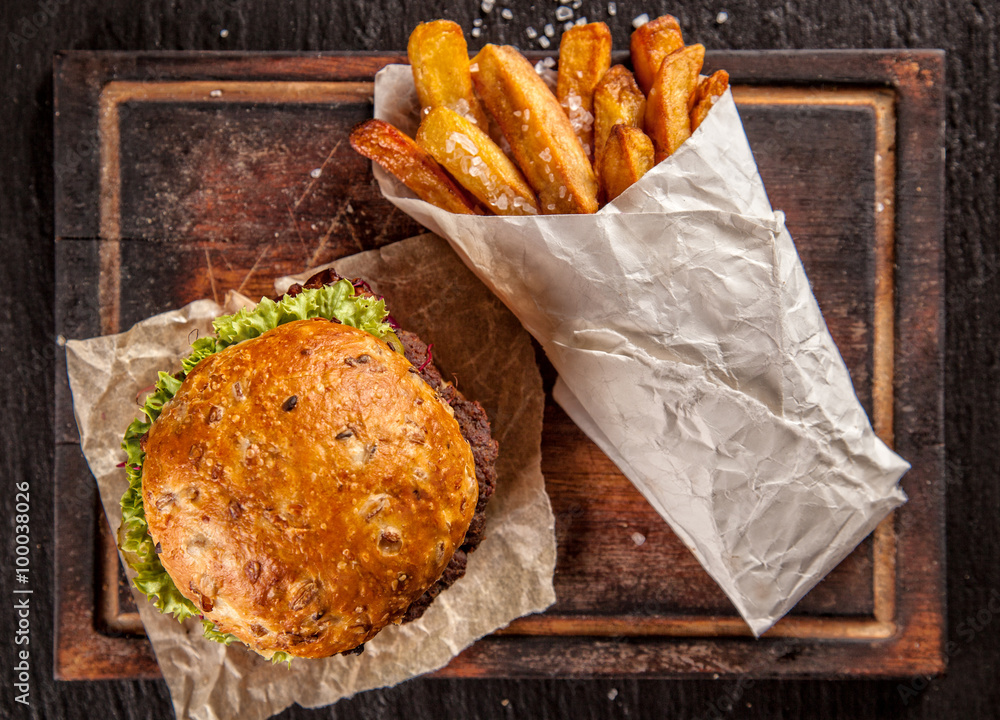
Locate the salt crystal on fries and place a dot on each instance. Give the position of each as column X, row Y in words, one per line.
column 411, row 164
column 671, row 99
column 650, row 45
column 476, row 162
column 628, row 155
column 439, row 58
column 617, row 99
column 584, row 58
column 709, row 90
column 540, row 135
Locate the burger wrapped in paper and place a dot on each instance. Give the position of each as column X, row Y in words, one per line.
column 307, row 477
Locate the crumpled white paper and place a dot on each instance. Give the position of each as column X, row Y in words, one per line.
column 509, row 574
column 690, row 348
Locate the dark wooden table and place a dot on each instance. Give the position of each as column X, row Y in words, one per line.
column 33, row 32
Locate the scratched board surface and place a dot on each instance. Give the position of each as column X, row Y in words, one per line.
column 224, row 175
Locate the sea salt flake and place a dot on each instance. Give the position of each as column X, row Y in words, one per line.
column 465, row 141
column 549, row 30
column 638, row 538
column 215, row 93
column 487, row 5
column 507, row 14
column 462, row 107
column 612, row 9
column 563, row 13
column 546, row 73
column 581, row 20
column 721, row 17
column 531, row 32
column 478, row 22
column 639, row 20
column 476, row 32
column 544, row 42
column 580, row 118
column 316, row 172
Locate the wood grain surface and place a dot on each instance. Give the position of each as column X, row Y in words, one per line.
column 208, row 180
column 967, row 30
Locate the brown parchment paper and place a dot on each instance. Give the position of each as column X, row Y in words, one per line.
column 481, row 347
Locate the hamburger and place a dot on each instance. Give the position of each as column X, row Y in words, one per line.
column 307, row 478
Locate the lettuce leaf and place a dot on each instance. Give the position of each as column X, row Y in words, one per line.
column 338, row 301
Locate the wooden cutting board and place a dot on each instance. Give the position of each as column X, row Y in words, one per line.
column 182, row 176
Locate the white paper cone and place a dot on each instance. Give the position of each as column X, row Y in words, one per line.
column 690, row 348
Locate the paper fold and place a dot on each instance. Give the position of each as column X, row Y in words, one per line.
column 690, row 348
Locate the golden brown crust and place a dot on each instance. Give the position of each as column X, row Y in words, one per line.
column 305, row 508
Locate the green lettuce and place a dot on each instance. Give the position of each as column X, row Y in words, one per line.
column 338, row 301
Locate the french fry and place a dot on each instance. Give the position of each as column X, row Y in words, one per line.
column 650, row 45
column 668, row 107
column 584, row 57
column 477, row 162
column 540, row 135
column 628, row 155
column 617, row 99
column 439, row 58
column 395, row 151
column 709, row 90
column 495, row 137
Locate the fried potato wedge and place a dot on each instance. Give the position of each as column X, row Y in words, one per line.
column 617, row 100
column 395, row 151
column 439, row 58
column 540, row 135
column 476, row 162
column 584, row 57
column 668, row 107
column 709, row 90
column 650, row 45
column 628, row 155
